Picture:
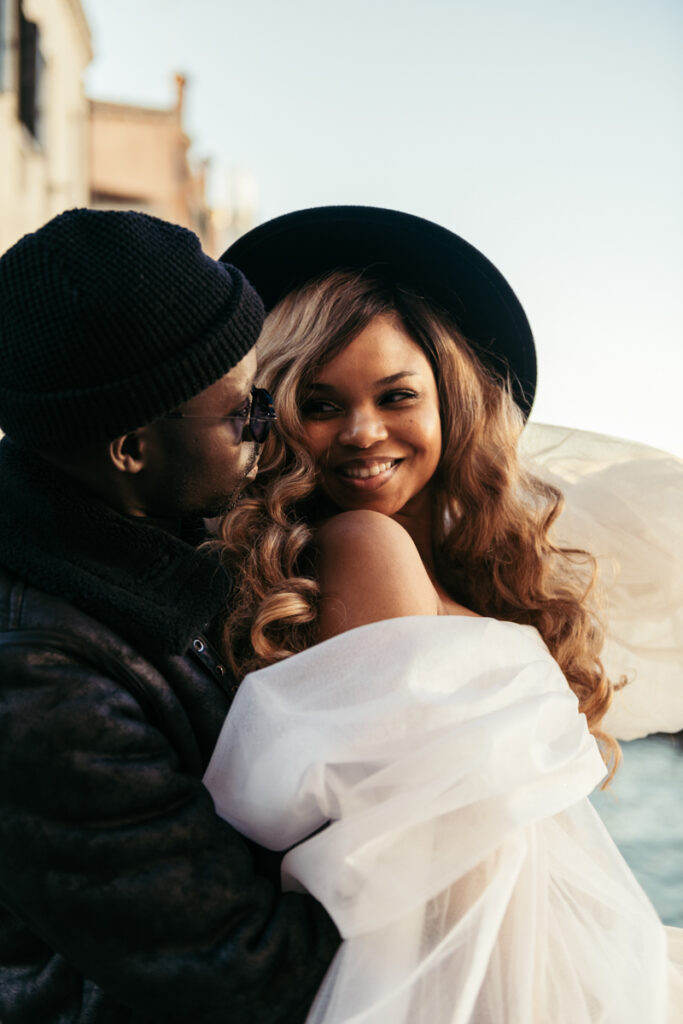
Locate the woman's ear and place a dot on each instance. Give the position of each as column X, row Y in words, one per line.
column 127, row 453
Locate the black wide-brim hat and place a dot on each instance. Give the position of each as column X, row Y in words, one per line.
column 284, row 253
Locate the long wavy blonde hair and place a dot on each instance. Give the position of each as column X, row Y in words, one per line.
column 492, row 518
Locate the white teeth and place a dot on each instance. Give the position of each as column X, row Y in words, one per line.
column 365, row 472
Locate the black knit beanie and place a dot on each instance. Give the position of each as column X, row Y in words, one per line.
column 110, row 319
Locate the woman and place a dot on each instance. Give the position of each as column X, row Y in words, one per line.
column 448, row 652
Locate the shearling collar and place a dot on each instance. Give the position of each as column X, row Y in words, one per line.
column 144, row 582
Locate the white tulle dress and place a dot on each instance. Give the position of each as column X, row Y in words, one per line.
column 429, row 779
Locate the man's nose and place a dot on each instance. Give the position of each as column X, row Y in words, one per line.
column 363, row 428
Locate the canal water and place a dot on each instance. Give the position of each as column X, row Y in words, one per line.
column 643, row 811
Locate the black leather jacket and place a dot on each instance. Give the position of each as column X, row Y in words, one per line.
column 123, row 897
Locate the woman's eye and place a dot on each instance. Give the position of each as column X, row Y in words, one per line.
column 393, row 397
column 317, row 408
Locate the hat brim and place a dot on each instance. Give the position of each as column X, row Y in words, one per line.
column 284, row 253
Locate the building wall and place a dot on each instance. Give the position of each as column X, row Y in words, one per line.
column 81, row 152
column 44, row 168
column 139, row 160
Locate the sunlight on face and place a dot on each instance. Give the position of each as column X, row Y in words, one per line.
column 372, row 422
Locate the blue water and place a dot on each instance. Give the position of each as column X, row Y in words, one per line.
column 643, row 811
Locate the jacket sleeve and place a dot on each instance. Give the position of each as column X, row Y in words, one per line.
column 115, row 858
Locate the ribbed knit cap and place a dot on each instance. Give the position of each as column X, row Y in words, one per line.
column 108, row 320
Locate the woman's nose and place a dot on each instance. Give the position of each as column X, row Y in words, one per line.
column 362, row 428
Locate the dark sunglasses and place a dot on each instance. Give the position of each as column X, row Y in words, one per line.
column 255, row 420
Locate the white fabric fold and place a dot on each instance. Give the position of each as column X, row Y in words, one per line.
column 440, row 767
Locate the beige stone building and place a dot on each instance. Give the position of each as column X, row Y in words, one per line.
column 58, row 149
column 45, row 48
column 139, row 159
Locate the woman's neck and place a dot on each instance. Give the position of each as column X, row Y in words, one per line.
column 416, row 518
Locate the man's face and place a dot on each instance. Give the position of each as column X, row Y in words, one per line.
column 198, row 465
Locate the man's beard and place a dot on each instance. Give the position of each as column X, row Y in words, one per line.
column 256, row 451
column 231, row 501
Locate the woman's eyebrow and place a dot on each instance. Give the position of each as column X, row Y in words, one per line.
column 383, row 381
column 397, row 376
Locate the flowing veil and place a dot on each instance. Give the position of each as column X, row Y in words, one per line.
column 624, row 504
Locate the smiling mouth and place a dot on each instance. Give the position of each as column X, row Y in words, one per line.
column 366, row 475
column 367, row 470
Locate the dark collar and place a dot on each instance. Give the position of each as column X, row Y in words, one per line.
column 143, row 581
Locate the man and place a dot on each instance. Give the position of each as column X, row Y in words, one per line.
column 126, row 375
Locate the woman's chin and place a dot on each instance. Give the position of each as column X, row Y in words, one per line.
column 354, row 492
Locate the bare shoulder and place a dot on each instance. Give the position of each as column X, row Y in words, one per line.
column 364, row 534
column 369, row 570
column 360, row 524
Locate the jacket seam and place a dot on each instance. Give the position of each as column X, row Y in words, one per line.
column 16, row 603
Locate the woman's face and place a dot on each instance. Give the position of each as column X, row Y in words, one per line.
column 371, row 421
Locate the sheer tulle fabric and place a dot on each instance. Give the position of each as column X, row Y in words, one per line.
column 624, row 503
column 469, row 876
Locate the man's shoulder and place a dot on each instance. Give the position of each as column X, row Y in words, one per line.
column 26, row 608
column 48, row 641
column 39, row 629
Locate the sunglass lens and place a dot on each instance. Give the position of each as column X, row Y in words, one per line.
column 262, row 414
column 256, row 429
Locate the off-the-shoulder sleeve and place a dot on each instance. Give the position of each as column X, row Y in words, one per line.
column 468, row 874
column 473, row 706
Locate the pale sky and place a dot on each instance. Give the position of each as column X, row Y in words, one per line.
column 547, row 134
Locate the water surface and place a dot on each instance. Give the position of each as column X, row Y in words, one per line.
column 643, row 811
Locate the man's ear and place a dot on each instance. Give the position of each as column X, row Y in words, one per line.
column 127, row 453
